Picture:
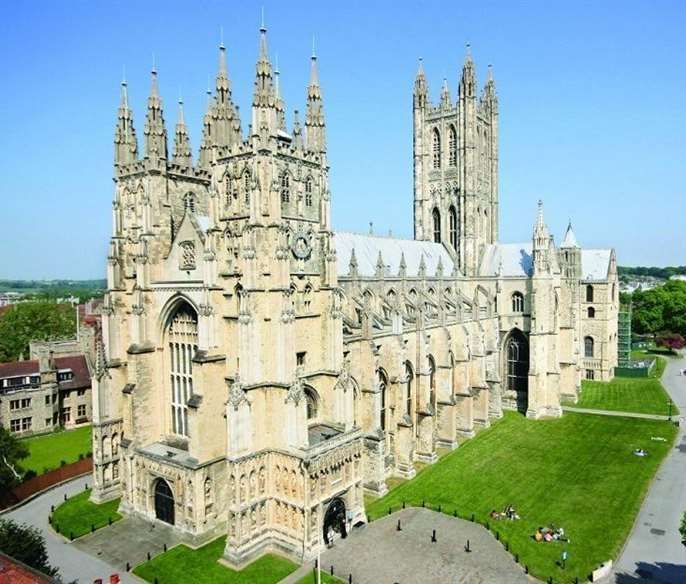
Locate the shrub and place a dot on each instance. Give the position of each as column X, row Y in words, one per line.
column 682, row 529
column 81, row 456
column 29, row 474
column 63, row 463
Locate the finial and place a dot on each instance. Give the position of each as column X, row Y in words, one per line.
column 490, row 72
column 262, row 27
column 154, row 67
column 420, row 70
column 221, row 37
column 181, row 117
column 314, row 52
column 371, row 228
column 469, row 50
column 539, row 220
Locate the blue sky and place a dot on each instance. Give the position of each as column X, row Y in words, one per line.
column 592, row 116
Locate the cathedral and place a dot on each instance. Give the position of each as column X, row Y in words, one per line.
column 260, row 372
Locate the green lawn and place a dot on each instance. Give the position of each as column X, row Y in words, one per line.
column 628, row 394
column 182, row 564
column 77, row 515
column 47, row 451
column 577, row 472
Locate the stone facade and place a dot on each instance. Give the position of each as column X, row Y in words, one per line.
column 260, row 371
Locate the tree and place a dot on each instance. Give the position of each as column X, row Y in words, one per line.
column 31, row 321
column 682, row 529
column 26, row 544
column 671, row 341
column 12, row 452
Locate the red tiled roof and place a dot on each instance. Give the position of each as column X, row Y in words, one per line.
column 17, row 368
column 76, row 363
column 14, row 572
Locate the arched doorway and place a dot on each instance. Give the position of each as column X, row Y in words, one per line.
column 334, row 521
column 517, row 367
column 164, row 502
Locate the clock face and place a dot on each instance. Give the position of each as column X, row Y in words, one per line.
column 300, row 245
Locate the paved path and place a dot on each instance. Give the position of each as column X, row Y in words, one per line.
column 379, row 554
column 74, row 564
column 654, row 551
column 612, row 413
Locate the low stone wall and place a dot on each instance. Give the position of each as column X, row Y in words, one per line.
column 45, row 481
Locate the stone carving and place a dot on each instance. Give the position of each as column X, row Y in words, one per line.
column 237, row 395
column 187, row 257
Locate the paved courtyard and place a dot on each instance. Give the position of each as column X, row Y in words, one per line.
column 128, row 540
column 379, row 554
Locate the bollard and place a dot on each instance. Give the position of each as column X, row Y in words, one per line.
column 550, row 580
column 350, row 579
column 165, row 547
column 86, row 487
column 71, row 535
column 488, row 525
column 50, row 519
column 331, row 571
column 52, row 508
column 148, row 556
column 439, row 508
column 128, row 567
column 65, row 496
column 57, row 527
column 472, row 517
column 433, row 536
column 423, row 503
column 526, row 569
column 403, row 504
column 497, row 536
column 517, row 558
column 507, row 547
column 399, row 528
column 109, row 521
column 92, row 528
column 389, row 510
column 156, row 581
column 454, row 512
column 467, row 548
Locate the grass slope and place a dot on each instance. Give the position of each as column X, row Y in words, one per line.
column 628, row 394
column 577, row 472
column 47, row 451
column 182, row 564
column 77, row 515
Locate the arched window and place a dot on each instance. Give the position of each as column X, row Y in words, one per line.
column 308, row 191
column 437, row 226
column 311, row 403
column 517, row 302
column 115, row 444
column 383, row 388
column 432, row 381
column 588, row 347
column 589, row 293
column 452, row 146
column 452, row 227
column 285, row 187
column 409, row 375
column 591, row 312
column 182, row 337
column 436, row 149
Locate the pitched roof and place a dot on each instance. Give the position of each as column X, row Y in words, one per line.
column 595, row 263
column 508, row 260
column 569, row 239
column 76, row 363
column 367, row 248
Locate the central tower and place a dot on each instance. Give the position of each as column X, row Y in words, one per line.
column 456, row 167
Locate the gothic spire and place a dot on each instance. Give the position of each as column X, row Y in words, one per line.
column 297, row 131
column 421, row 88
column 569, row 240
column 314, row 113
column 445, row 95
column 182, row 145
column 541, row 243
column 155, row 130
column 125, row 143
column 489, row 99
column 280, row 110
column 224, row 116
column 468, row 79
column 264, row 99
column 205, row 155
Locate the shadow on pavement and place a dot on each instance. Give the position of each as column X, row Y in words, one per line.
column 660, row 573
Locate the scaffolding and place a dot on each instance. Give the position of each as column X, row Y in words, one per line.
column 624, row 338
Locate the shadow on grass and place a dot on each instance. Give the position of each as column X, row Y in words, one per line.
column 662, row 572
